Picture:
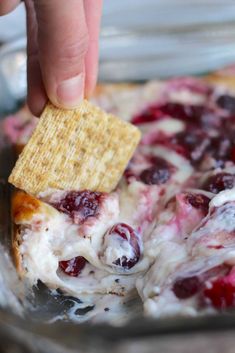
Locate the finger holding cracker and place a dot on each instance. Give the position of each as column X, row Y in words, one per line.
column 78, row 149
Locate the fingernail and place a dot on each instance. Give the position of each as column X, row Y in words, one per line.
column 70, row 92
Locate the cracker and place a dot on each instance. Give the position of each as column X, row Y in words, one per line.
column 78, row 149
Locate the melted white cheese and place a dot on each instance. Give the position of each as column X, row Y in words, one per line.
column 223, row 197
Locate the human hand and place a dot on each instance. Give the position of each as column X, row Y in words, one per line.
column 62, row 50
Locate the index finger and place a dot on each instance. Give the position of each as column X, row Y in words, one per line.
column 93, row 10
column 7, row 6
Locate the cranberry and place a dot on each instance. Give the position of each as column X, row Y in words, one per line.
column 199, row 201
column 74, row 266
column 189, row 113
column 128, row 234
column 184, row 288
column 158, row 174
column 129, row 174
column 198, row 115
column 219, row 182
column 80, row 205
column 183, row 111
column 217, row 247
column 150, row 114
column 155, row 176
column 180, row 149
column 220, row 149
column 221, row 293
column 232, row 154
column 227, row 102
column 193, row 142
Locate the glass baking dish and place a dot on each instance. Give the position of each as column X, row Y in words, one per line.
column 23, row 329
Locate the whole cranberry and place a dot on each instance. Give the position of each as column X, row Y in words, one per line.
column 126, row 234
column 185, row 288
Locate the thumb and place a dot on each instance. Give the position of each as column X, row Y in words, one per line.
column 62, row 46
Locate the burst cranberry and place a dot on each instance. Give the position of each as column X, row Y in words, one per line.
column 199, row 201
column 193, row 142
column 227, row 102
column 129, row 174
column 158, row 174
column 185, row 288
column 219, row 182
column 220, row 149
column 189, row 113
column 232, row 154
column 221, row 293
column 183, row 111
column 80, row 205
column 216, row 247
column 74, row 266
column 180, row 149
column 129, row 235
column 150, row 114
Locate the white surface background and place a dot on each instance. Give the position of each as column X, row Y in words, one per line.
column 141, row 14
column 155, row 37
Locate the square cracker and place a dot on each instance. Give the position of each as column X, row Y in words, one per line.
column 78, row 149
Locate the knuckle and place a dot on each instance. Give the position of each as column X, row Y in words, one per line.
column 77, row 49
